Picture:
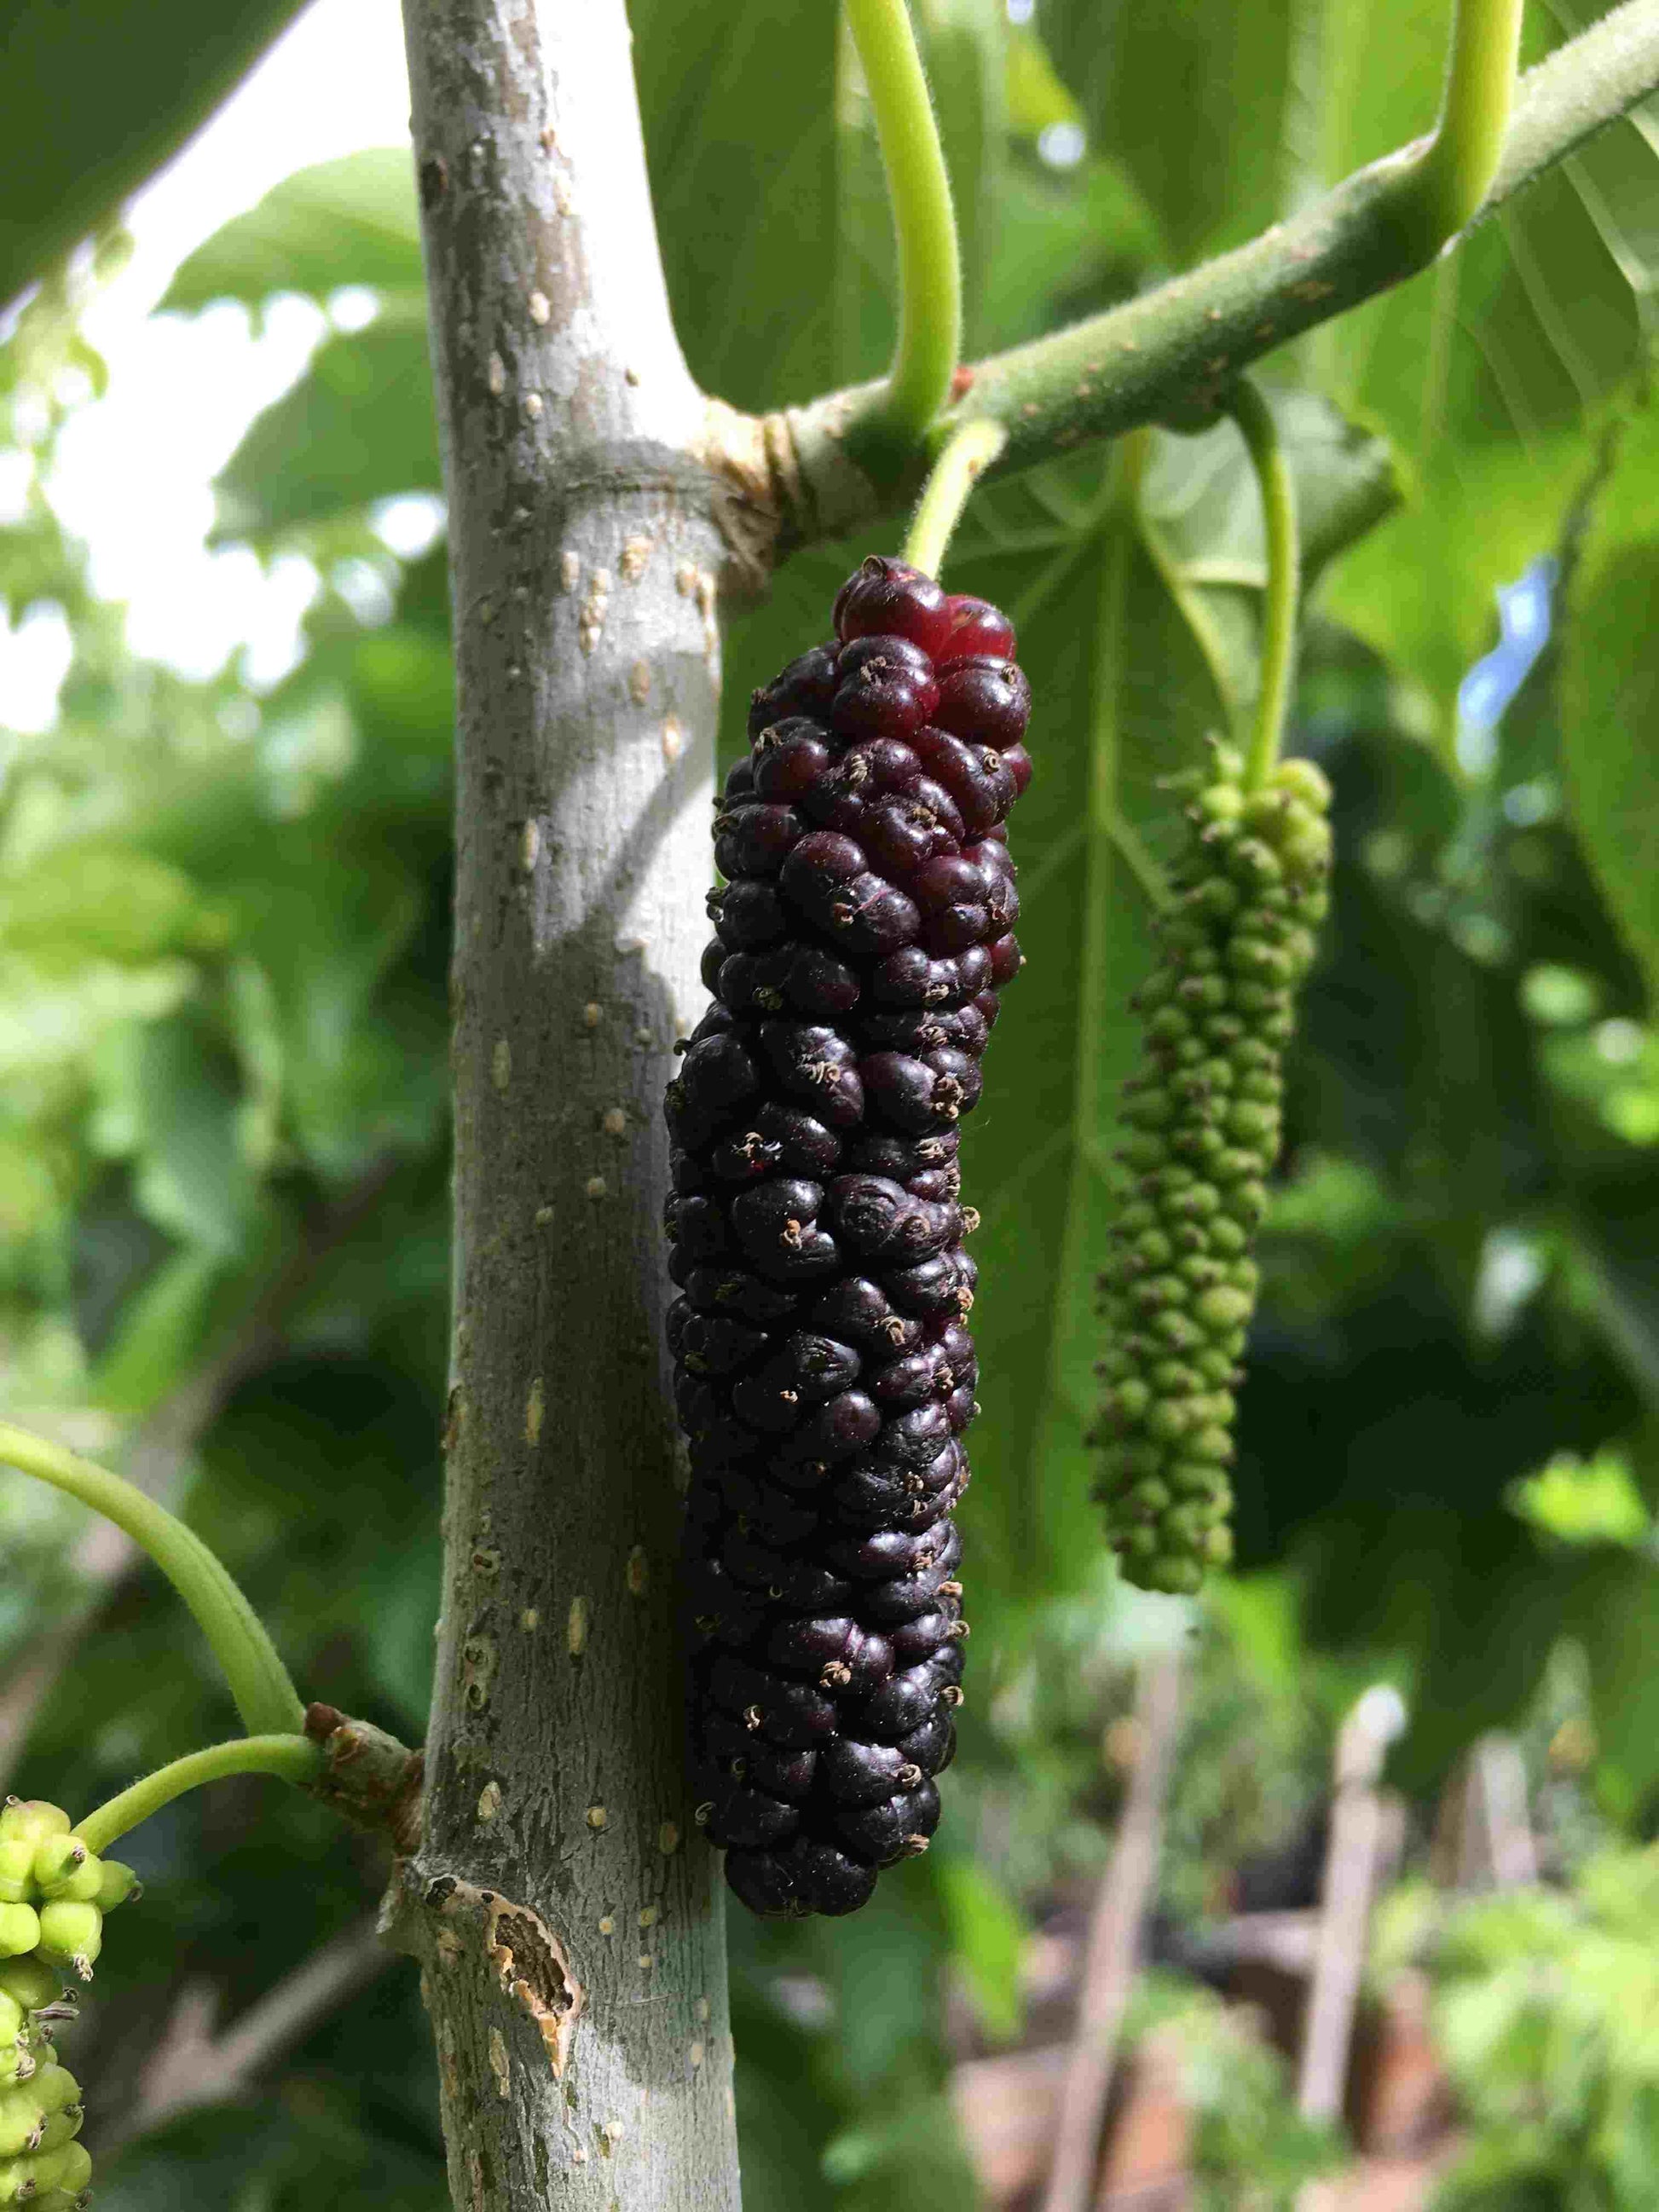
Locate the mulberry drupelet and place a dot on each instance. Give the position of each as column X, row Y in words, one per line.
column 825, row 1372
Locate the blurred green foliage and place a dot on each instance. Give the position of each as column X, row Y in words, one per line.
column 223, row 1136
column 1251, row 2150
column 1546, row 2009
column 80, row 138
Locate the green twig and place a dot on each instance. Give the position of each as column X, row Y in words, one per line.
column 1272, row 471
column 924, row 220
column 967, row 453
column 1181, row 345
column 1455, row 173
column 294, row 1758
column 266, row 1698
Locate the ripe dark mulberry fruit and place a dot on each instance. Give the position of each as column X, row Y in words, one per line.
column 825, row 1372
column 1202, row 1131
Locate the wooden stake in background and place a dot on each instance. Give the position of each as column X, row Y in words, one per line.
column 1114, row 1944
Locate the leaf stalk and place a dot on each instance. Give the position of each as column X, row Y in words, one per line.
column 1254, row 418
column 1456, row 170
column 924, row 219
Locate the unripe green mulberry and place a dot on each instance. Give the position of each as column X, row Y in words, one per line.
column 71, row 1935
column 22, row 2122
column 116, row 1884
column 30, row 1982
column 19, row 1930
column 64, row 1866
column 30, row 1819
column 45, row 2180
column 1203, row 1117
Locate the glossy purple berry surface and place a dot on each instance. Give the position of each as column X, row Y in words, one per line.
column 824, row 1371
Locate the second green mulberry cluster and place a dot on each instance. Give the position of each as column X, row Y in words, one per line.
column 1203, row 1118
column 54, row 1895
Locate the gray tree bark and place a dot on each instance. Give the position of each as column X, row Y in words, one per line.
column 564, row 1906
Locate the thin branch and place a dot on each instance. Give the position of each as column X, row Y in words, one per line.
column 193, row 2066
column 1176, row 351
column 1114, row 1945
column 293, row 1758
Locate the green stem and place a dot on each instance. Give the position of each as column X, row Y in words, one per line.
column 1183, row 342
column 924, row 220
column 1255, row 419
column 266, row 1698
column 969, row 452
column 292, row 1757
column 1456, row 170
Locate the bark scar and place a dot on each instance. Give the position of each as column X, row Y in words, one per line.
column 535, row 1970
column 531, row 1964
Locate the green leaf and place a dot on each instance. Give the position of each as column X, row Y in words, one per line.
column 987, row 1935
column 160, row 1332
column 167, row 1100
column 350, row 221
column 95, row 95
column 358, row 427
column 1610, row 694
column 1571, row 1500
column 1233, row 64
column 729, row 97
column 1204, row 521
column 1037, row 98
column 83, row 900
column 1488, row 370
column 780, row 294
column 1065, row 246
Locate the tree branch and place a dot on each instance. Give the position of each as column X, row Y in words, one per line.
column 193, row 2066
column 1126, row 1889
column 1172, row 353
column 564, row 1903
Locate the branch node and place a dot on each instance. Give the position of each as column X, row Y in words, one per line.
column 370, row 1778
column 780, row 480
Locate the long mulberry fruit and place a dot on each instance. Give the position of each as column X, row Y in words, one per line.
column 1203, row 1131
column 825, row 1371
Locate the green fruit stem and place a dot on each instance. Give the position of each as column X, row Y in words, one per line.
column 924, row 220
column 1457, row 168
column 294, row 1758
column 968, row 452
column 265, row 1696
column 1272, row 471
